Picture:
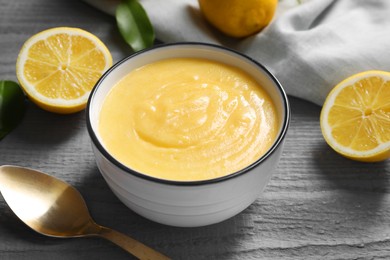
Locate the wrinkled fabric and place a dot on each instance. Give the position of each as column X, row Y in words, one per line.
column 309, row 47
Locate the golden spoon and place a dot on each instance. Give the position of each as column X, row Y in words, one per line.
column 54, row 208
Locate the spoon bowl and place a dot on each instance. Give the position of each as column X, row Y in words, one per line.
column 54, row 208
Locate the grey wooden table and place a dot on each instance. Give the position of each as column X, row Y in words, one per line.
column 318, row 205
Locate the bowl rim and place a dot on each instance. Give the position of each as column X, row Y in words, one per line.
column 278, row 140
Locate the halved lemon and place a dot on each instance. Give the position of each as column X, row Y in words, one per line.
column 58, row 67
column 355, row 118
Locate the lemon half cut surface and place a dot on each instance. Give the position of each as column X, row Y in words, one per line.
column 355, row 118
column 58, row 67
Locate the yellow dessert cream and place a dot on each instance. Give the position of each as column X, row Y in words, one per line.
column 187, row 119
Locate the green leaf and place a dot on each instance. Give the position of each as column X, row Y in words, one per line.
column 134, row 25
column 12, row 106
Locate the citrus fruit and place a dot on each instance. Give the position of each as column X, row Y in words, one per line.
column 238, row 18
column 355, row 118
column 58, row 67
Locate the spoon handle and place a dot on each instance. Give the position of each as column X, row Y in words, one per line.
column 131, row 245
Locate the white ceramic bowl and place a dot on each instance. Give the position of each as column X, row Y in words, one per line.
column 196, row 203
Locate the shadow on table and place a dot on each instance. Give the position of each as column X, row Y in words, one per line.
column 178, row 243
column 361, row 189
column 39, row 127
column 350, row 175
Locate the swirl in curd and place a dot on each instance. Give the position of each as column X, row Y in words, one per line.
column 187, row 119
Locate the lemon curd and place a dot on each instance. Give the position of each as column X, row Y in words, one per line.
column 187, row 119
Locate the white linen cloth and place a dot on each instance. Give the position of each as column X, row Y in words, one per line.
column 309, row 47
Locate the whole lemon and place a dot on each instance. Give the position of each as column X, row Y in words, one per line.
column 238, row 18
